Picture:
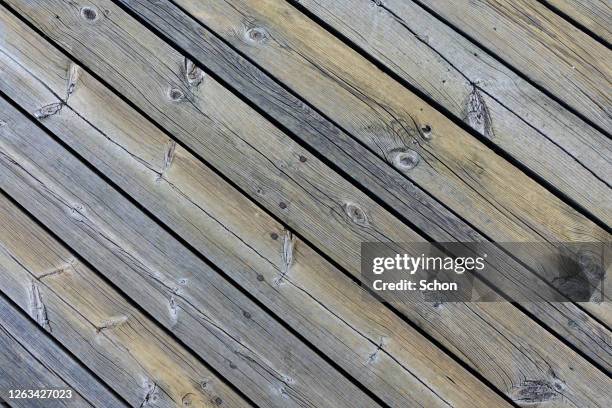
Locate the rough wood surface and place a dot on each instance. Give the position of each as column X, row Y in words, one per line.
column 594, row 15
column 120, row 345
column 175, row 25
column 456, row 169
column 235, row 336
column 548, row 139
column 546, row 48
column 501, row 357
column 338, row 317
column 30, row 360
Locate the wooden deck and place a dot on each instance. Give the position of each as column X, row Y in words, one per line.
column 185, row 186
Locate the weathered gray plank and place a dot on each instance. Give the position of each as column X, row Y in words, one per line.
column 467, row 339
column 469, row 178
column 234, row 335
column 594, row 15
column 543, row 46
column 29, row 360
column 120, row 345
column 305, row 292
column 429, row 216
column 549, row 140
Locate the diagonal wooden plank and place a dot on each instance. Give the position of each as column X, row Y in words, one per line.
column 543, row 46
column 459, row 171
column 327, row 308
column 594, row 15
column 421, row 210
column 549, row 140
column 457, row 72
column 124, row 348
column 503, row 313
column 239, row 339
column 386, row 117
column 30, row 360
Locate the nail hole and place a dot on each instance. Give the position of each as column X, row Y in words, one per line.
column 274, row 236
column 303, row 159
column 260, row 278
column 89, row 13
column 246, row 314
column 218, row 401
column 282, row 205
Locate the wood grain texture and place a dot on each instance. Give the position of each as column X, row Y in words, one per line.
column 536, row 131
column 30, row 360
column 462, row 173
column 594, row 15
column 543, row 46
column 174, row 24
column 235, row 336
column 327, row 308
column 501, row 358
column 120, row 345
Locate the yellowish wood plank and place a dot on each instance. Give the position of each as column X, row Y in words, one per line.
column 555, row 144
column 595, row 15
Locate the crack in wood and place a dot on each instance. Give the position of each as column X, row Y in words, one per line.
column 111, row 323
column 537, row 391
column 372, row 357
column 193, row 74
column 38, row 310
column 173, row 308
column 73, row 77
column 168, row 157
column 59, row 270
column 151, row 394
column 477, row 114
column 286, row 256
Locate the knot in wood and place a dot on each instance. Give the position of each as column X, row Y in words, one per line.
column 175, row 94
column 406, row 160
column 188, row 399
column 426, row 131
column 89, row 13
column 48, row 110
column 356, row 214
column 257, row 35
